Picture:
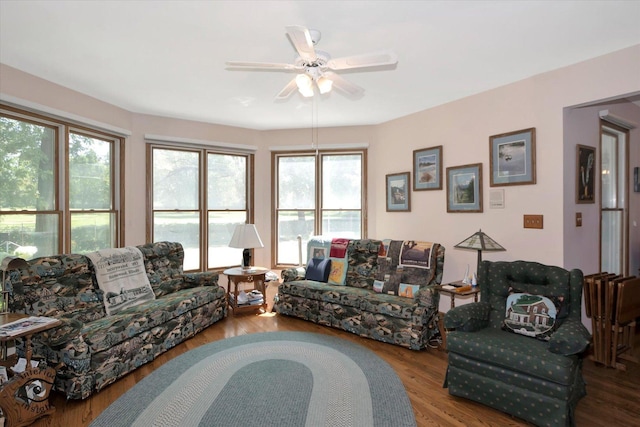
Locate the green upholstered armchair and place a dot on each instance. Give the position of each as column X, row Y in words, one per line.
column 537, row 380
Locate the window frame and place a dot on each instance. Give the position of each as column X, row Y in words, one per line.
column 203, row 208
column 62, row 129
column 318, row 209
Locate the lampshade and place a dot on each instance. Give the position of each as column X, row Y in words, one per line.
column 245, row 236
column 480, row 242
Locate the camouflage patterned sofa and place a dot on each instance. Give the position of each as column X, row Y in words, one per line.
column 382, row 296
column 95, row 349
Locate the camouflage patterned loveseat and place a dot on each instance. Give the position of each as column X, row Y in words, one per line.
column 95, row 349
column 382, row 290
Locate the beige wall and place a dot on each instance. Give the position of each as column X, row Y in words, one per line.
column 463, row 127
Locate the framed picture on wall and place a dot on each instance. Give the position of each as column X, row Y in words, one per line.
column 585, row 174
column 513, row 158
column 427, row 169
column 464, row 188
column 398, row 192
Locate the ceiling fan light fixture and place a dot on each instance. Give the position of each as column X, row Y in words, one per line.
column 306, row 92
column 305, row 85
column 324, row 85
column 317, row 68
column 303, row 81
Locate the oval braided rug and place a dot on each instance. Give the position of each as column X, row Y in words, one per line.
column 272, row 378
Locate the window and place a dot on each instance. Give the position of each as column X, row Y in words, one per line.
column 319, row 194
column 198, row 196
column 91, row 193
column 58, row 191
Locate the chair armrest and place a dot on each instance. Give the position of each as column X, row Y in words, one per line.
column 291, row 274
column 205, row 278
column 570, row 338
column 468, row 318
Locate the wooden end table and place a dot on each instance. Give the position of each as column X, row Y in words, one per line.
column 235, row 276
column 25, row 397
column 475, row 291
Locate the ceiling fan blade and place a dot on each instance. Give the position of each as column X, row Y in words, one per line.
column 365, row 60
column 343, row 85
column 301, row 39
column 262, row 65
column 288, row 90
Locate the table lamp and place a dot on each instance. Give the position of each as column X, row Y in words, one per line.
column 9, row 263
column 246, row 237
column 480, row 242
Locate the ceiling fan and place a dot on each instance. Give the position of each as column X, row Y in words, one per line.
column 316, row 66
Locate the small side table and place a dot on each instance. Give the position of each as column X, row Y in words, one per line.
column 475, row 291
column 235, row 276
column 17, row 405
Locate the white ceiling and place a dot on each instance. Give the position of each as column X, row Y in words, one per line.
column 167, row 58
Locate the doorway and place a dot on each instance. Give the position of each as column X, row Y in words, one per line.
column 614, row 214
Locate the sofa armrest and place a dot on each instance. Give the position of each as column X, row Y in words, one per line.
column 67, row 331
column 428, row 297
column 570, row 338
column 291, row 274
column 469, row 317
column 205, row 278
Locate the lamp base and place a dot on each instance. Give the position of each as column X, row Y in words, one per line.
column 246, row 259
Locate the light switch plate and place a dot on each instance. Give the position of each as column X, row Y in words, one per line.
column 533, row 221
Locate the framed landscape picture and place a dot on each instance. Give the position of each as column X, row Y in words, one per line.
column 427, row 169
column 585, row 174
column 513, row 158
column 398, row 192
column 464, row 188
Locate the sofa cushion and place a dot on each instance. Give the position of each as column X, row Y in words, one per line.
column 55, row 285
column 389, row 305
column 318, row 291
column 363, row 262
column 109, row 331
column 163, row 262
column 318, row 269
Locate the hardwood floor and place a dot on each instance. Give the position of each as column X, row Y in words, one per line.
column 613, row 397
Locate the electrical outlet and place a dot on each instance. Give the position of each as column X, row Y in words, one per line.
column 533, row 221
